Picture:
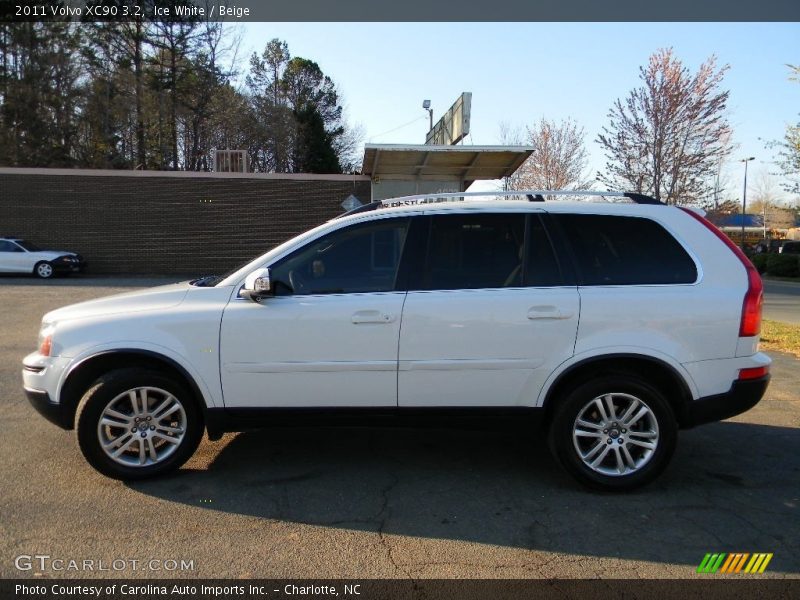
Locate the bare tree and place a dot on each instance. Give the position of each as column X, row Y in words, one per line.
column 559, row 158
column 511, row 135
column 789, row 147
column 719, row 178
column 765, row 188
column 667, row 136
column 767, row 202
column 349, row 147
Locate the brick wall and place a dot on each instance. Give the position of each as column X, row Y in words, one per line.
column 165, row 223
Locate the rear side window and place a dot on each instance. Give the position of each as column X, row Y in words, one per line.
column 612, row 250
column 488, row 250
column 475, row 251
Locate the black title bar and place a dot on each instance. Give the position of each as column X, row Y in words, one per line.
column 407, row 10
column 707, row 587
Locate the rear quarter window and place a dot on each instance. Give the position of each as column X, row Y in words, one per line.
column 617, row 250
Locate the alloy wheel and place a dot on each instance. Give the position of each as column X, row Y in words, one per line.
column 142, row 426
column 615, row 434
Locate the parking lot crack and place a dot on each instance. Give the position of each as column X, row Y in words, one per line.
column 382, row 517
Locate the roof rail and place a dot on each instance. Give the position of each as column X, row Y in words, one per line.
column 531, row 195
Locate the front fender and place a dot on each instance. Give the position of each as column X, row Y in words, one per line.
column 210, row 398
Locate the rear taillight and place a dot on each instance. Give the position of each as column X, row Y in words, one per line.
column 754, row 373
column 750, row 323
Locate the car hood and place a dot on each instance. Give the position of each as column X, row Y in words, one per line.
column 52, row 254
column 163, row 296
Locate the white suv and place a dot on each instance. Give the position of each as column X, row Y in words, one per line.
column 617, row 323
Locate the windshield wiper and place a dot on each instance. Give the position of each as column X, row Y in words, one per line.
column 206, row 281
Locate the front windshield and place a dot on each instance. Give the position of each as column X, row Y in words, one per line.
column 28, row 246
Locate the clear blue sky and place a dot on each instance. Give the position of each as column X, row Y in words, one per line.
column 519, row 72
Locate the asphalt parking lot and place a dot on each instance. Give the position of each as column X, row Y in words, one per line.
column 376, row 503
column 782, row 301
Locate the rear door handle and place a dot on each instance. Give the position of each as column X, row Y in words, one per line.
column 547, row 311
column 372, row 316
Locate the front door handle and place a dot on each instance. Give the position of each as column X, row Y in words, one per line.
column 547, row 311
column 372, row 316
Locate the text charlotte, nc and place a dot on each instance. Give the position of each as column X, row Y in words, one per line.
column 217, row 591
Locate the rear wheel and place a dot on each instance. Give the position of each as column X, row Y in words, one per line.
column 43, row 270
column 615, row 433
column 137, row 423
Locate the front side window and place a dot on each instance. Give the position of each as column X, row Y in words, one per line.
column 617, row 250
column 7, row 246
column 359, row 258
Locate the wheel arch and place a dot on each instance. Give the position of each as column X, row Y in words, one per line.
column 41, row 261
column 665, row 376
column 85, row 372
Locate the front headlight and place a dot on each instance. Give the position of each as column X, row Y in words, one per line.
column 45, row 341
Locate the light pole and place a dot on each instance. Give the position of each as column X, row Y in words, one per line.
column 426, row 104
column 744, row 194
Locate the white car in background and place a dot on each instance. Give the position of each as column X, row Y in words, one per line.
column 20, row 256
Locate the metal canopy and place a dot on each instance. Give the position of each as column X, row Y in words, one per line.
column 442, row 163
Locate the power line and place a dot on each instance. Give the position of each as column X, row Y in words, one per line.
column 398, row 127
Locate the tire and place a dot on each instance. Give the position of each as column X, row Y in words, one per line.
column 619, row 450
column 44, row 270
column 157, row 445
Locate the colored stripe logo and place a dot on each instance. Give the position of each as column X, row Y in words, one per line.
column 741, row 562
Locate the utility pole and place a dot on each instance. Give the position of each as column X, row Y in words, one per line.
column 744, row 194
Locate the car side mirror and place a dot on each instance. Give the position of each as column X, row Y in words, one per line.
column 257, row 285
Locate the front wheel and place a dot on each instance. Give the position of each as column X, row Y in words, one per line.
column 138, row 423
column 615, row 433
column 44, row 270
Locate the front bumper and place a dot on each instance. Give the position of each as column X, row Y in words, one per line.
column 41, row 376
column 69, row 267
column 743, row 395
column 49, row 410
